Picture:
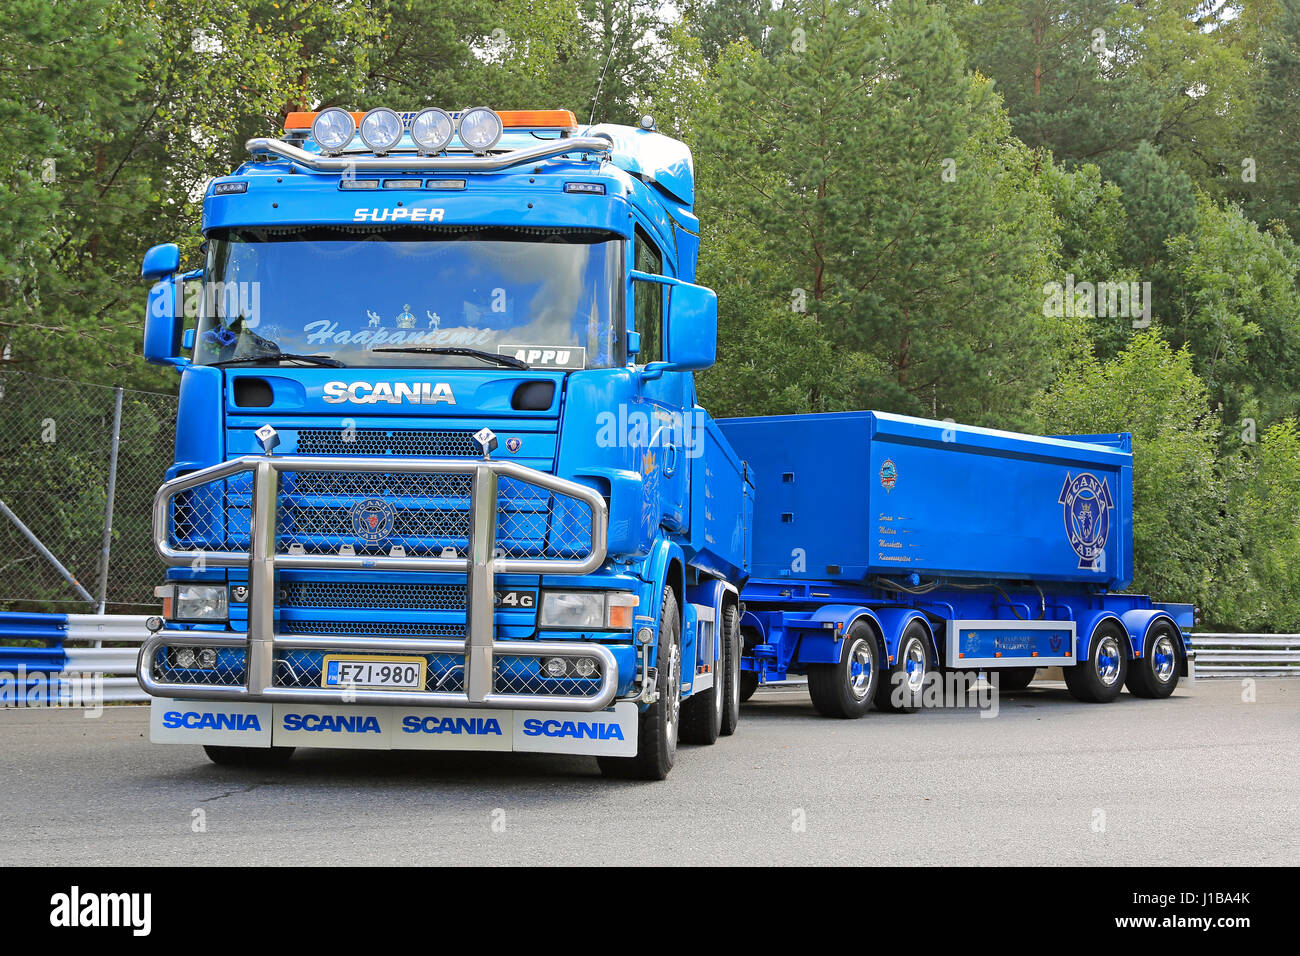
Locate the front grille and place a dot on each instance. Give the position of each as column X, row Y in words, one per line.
column 373, row 513
column 394, row 597
column 422, row 442
column 452, row 489
column 378, row 628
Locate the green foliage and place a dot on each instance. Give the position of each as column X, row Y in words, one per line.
column 1237, row 309
column 1179, row 492
column 861, row 169
column 1266, row 591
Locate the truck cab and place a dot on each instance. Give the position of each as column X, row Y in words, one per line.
column 441, row 480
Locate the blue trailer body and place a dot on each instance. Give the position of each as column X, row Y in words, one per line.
column 990, row 549
column 597, row 480
column 847, row 495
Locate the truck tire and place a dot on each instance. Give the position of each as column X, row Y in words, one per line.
column 900, row 687
column 658, row 725
column 251, row 757
column 846, row 689
column 731, row 683
column 1012, row 679
column 749, row 639
column 1100, row 678
column 748, row 685
column 702, row 712
column 1155, row 675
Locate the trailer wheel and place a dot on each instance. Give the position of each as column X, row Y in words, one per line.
column 732, row 686
column 657, row 727
column 748, row 684
column 846, row 689
column 1156, row 675
column 1012, row 679
column 1099, row 679
column 250, row 757
column 900, row 687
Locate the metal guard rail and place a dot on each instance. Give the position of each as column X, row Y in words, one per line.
column 480, row 565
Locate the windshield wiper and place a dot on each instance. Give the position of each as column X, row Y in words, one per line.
column 507, row 360
column 282, row 356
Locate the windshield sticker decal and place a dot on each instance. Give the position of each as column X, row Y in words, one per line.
column 558, row 357
column 325, row 332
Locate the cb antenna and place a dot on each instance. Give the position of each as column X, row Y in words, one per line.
column 600, row 85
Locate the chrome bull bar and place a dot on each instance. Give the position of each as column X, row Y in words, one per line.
column 481, row 564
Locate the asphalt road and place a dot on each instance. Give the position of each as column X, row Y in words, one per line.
column 1202, row 778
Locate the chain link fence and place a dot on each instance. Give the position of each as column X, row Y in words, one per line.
column 79, row 465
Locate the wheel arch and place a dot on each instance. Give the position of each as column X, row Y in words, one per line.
column 1139, row 623
column 828, row 648
column 894, row 621
column 1086, row 630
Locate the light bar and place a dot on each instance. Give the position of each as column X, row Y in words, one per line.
column 510, row 119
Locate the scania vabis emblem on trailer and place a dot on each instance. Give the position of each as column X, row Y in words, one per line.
column 888, row 474
column 372, row 520
column 1087, row 505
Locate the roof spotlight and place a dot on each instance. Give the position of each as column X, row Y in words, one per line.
column 333, row 129
column 381, row 129
column 480, row 128
column 432, row 130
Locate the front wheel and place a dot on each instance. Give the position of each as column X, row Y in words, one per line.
column 1100, row 678
column 1156, row 675
column 656, row 743
column 846, row 689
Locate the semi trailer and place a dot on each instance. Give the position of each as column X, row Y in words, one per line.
column 888, row 550
column 441, row 480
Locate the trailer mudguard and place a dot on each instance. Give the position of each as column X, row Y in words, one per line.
column 825, row 647
column 1139, row 621
column 894, row 621
column 1086, row 626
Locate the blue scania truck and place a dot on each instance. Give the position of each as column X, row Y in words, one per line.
column 889, row 551
column 440, row 478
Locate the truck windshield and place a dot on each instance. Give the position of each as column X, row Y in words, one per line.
column 403, row 295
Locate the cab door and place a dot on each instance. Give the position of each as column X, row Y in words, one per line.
column 665, row 402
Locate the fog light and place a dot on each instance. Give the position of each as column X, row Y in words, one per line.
column 207, row 657
column 584, row 667
column 555, row 666
column 185, row 657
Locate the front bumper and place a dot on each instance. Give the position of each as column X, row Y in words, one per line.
column 609, row 732
column 477, row 671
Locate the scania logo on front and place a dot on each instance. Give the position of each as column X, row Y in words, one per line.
column 368, row 393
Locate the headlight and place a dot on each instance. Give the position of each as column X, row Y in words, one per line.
column 194, row 602
column 432, row 130
column 587, row 610
column 333, row 129
column 480, row 128
column 381, row 129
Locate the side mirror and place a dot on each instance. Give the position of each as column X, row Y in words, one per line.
column 164, row 318
column 161, row 261
column 163, row 323
column 691, row 338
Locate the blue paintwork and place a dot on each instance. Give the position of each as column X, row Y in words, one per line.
column 856, row 509
column 677, row 493
column 848, row 495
